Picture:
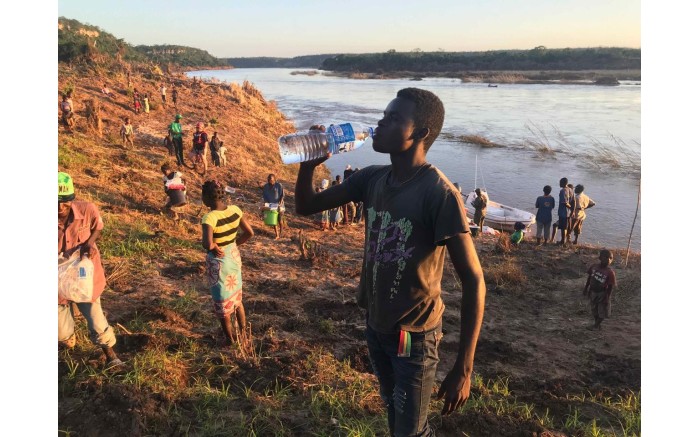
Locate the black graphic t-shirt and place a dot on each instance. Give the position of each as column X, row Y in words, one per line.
column 405, row 234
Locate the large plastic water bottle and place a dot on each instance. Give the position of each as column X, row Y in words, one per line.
column 338, row 138
column 84, row 283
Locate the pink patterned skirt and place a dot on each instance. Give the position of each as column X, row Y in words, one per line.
column 223, row 276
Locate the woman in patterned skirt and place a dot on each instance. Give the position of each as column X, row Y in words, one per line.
column 221, row 238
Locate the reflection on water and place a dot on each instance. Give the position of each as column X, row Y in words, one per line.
column 538, row 134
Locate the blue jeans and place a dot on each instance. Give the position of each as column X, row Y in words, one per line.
column 405, row 383
column 101, row 333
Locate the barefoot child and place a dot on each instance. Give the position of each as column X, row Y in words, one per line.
column 599, row 287
column 220, row 238
column 127, row 132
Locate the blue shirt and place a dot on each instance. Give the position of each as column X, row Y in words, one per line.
column 273, row 193
column 544, row 205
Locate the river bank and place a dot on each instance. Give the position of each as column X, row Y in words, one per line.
column 589, row 77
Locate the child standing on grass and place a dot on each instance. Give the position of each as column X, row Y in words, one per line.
column 146, row 105
column 127, row 132
column 220, row 238
column 599, row 287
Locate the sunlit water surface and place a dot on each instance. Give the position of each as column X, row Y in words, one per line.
column 589, row 134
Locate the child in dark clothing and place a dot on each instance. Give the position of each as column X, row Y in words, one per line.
column 599, row 287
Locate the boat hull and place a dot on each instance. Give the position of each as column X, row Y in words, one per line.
column 500, row 217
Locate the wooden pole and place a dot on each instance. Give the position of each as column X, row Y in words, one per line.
column 629, row 241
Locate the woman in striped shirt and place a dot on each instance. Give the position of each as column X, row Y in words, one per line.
column 221, row 238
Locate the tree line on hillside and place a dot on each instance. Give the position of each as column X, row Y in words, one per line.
column 78, row 41
column 539, row 58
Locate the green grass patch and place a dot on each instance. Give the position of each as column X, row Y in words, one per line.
column 70, row 158
column 130, row 240
column 607, row 415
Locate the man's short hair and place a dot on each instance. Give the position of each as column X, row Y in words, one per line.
column 429, row 112
column 607, row 253
column 563, row 182
column 271, row 175
column 547, row 189
column 578, row 189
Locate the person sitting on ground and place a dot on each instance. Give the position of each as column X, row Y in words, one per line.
column 599, row 287
column 224, row 228
column 127, row 132
column 545, row 205
column 581, row 203
column 107, row 91
column 67, row 117
column 174, row 185
column 479, row 203
column 79, row 226
column 215, row 146
column 199, row 145
column 517, row 236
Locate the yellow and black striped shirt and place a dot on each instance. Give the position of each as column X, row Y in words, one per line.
column 224, row 223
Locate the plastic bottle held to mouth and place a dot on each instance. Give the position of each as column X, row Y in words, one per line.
column 338, row 138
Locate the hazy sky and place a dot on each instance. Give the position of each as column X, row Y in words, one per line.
column 287, row 28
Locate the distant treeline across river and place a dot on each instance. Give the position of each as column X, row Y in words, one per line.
column 537, row 59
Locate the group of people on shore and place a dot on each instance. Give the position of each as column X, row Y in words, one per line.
column 349, row 214
column 571, row 213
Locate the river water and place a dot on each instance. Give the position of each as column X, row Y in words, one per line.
column 541, row 133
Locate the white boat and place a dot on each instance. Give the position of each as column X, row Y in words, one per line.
column 498, row 216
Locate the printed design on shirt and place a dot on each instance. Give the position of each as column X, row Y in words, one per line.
column 387, row 245
column 600, row 277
